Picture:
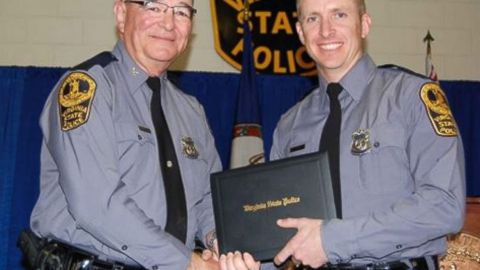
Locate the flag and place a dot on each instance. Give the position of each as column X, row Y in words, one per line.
column 429, row 67
column 247, row 144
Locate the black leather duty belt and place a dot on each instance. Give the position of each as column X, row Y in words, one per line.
column 58, row 255
column 417, row 264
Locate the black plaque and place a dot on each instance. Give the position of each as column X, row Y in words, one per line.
column 248, row 201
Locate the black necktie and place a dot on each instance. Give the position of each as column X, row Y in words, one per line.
column 330, row 142
column 172, row 179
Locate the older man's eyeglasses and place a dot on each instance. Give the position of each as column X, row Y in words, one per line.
column 179, row 12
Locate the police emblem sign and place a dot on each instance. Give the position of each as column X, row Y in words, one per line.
column 276, row 48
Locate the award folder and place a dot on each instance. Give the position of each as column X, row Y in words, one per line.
column 248, row 201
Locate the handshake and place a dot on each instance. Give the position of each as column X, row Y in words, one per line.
column 305, row 248
column 208, row 260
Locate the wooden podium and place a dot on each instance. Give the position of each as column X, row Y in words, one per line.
column 463, row 251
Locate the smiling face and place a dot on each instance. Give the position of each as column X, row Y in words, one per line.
column 154, row 39
column 333, row 32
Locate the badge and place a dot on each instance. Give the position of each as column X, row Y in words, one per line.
column 438, row 111
column 189, row 148
column 75, row 99
column 361, row 141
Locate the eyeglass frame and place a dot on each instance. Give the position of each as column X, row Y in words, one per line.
column 144, row 3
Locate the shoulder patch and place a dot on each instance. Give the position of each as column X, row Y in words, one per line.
column 75, row 99
column 438, row 110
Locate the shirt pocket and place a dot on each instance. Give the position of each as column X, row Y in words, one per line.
column 138, row 168
column 384, row 169
column 134, row 139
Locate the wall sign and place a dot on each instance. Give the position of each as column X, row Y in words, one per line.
column 276, row 47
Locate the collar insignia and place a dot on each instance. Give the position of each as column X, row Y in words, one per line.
column 135, row 71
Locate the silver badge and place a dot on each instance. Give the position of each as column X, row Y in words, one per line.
column 189, row 148
column 361, row 141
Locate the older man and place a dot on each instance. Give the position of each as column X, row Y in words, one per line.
column 126, row 155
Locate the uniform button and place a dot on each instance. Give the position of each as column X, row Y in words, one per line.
column 169, row 164
column 398, row 246
column 124, row 247
column 154, row 267
column 376, row 144
column 140, row 137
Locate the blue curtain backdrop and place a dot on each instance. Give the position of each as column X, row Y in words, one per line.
column 23, row 91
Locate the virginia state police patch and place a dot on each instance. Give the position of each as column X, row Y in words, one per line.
column 75, row 99
column 438, row 110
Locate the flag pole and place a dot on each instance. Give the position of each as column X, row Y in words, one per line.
column 246, row 9
column 429, row 68
column 247, row 143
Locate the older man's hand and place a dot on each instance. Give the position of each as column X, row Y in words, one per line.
column 203, row 262
column 238, row 261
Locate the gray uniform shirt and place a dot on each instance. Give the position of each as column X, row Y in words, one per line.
column 401, row 197
column 101, row 184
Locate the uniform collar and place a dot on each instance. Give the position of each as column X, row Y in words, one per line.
column 356, row 80
column 135, row 76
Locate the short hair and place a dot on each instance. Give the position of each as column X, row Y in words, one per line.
column 362, row 7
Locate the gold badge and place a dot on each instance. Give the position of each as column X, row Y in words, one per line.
column 438, row 111
column 361, row 141
column 75, row 99
column 189, row 148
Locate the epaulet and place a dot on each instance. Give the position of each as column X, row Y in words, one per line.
column 102, row 59
column 403, row 69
